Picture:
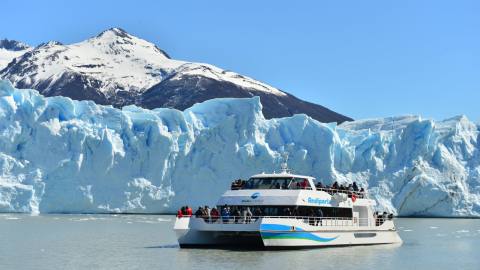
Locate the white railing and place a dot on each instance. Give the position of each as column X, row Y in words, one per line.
column 332, row 191
column 312, row 221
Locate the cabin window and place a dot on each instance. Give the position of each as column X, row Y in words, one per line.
column 277, row 183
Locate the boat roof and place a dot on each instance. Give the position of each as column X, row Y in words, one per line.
column 281, row 175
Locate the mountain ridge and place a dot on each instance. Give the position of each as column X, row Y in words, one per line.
column 119, row 69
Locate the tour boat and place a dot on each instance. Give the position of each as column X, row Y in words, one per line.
column 286, row 210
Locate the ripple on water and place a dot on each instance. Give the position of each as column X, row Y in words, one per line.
column 12, row 218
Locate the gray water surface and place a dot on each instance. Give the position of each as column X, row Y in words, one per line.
column 148, row 242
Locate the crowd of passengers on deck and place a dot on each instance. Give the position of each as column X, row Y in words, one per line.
column 226, row 213
column 247, row 214
column 352, row 188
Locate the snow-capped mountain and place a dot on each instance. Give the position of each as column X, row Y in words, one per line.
column 64, row 156
column 10, row 49
column 120, row 69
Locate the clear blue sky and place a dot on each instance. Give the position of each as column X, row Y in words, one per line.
column 361, row 58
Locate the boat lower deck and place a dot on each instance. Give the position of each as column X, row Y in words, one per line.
column 277, row 232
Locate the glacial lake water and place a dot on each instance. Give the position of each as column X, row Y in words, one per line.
column 148, row 242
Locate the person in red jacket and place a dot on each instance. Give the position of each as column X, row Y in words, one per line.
column 179, row 213
column 214, row 214
column 189, row 211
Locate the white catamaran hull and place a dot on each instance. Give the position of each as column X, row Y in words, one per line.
column 280, row 232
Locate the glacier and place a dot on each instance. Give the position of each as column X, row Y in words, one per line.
column 63, row 156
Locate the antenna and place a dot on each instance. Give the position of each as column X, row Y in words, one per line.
column 284, row 164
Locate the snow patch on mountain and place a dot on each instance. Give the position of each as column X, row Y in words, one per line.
column 10, row 49
column 115, row 60
column 59, row 155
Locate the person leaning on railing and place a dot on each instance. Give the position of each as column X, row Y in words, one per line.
column 247, row 214
column 199, row 213
column 225, row 214
column 206, row 213
column 214, row 214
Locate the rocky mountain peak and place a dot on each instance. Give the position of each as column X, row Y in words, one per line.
column 13, row 45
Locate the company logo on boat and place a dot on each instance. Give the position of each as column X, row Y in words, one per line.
column 254, row 198
column 318, row 201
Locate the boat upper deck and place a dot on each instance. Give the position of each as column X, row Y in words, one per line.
column 287, row 181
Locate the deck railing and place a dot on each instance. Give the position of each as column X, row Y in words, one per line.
column 333, row 191
column 312, row 221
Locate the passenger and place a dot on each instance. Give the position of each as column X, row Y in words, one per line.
column 287, row 212
column 295, row 211
column 320, row 185
column 304, row 184
column 236, row 184
column 189, row 211
column 214, row 214
column 206, row 214
column 350, row 188
column 183, row 210
column 247, row 214
column 236, row 214
column 328, row 189
column 225, row 214
column 311, row 217
column 179, row 213
column 199, row 213
column 277, row 185
column 335, row 185
column 319, row 216
column 384, row 217
column 257, row 212
column 355, row 187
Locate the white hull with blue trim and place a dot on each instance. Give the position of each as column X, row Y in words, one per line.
column 281, row 232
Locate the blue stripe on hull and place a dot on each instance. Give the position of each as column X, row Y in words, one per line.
column 279, row 231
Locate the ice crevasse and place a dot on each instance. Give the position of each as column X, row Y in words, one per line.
column 63, row 156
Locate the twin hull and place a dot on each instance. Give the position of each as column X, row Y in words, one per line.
column 281, row 232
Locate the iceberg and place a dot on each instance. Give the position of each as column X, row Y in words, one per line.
column 63, row 156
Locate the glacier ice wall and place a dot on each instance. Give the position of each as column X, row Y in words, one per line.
column 64, row 156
